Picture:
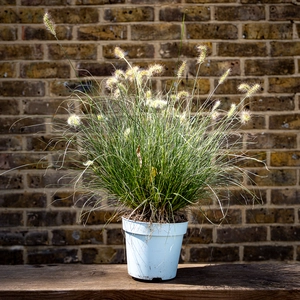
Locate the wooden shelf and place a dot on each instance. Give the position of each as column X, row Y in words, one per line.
column 88, row 282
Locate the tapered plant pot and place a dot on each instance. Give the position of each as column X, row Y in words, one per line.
column 153, row 249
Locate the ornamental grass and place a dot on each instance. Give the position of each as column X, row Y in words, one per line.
column 145, row 144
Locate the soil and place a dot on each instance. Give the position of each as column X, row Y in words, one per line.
column 178, row 217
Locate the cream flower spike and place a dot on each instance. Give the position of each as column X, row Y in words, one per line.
column 50, row 25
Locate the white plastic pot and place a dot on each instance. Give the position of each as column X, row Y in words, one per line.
column 153, row 249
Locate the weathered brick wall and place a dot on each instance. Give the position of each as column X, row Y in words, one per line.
column 259, row 40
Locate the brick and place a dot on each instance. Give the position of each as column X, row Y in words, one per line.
column 268, row 31
column 22, row 89
column 8, row 70
column 243, row 49
column 169, row 67
column 187, row 13
column 239, row 13
column 44, row 2
column 24, row 200
column 265, row 67
column 9, row 15
column 210, row 1
column 284, row 85
column 298, row 253
column 33, row 15
column 11, row 219
column 18, row 52
column 231, row 85
column 214, row 254
column 100, row 217
column 154, row 1
column 69, row 199
column 8, row 2
column 44, row 143
column 8, row 33
column 216, row 68
column 62, row 88
column 51, row 180
column 71, row 51
column 256, row 122
column 162, row 31
column 8, row 238
column 102, row 32
column 9, row 107
column 254, row 159
column 279, row 48
column 35, row 33
column 10, row 143
column 132, row 51
column 285, row 233
column 52, row 256
column 50, row 218
column 216, row 216
column 62, row 237
column 23, row 161
column 11, row 257
column 21, row 126
column 270, row 215
column 103, row 255
column 10, row 181
column 178, row 49
column 100, row 69
column 74, row 15
column 198, row 236
column 98, row 2
column 285, row 121
column 34, row 238
column 129, row 14
column 212, row 31
column 202, row 85
column 272, row 103
column 268, row 252
column 287, row 158
column 45, row 70
column 44, row 107
column 271, row 141
column 241, row 235
column 115, row 236
column 239, row 197
column 265, row 1
column 285, row 197
column 274, row 177
column 283, row 13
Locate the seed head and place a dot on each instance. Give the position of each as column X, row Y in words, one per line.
column 181, row 69
column 74, row 120
column 231, row 111
column 224, row 76
column 50, row 25
column 245, row 116
column 244, row 87
column 202, row 49
column 216, row 105
column 155, row 69
column 119, row 53
column 253, row 90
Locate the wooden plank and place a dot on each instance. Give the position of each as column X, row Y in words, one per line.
column 88, row 282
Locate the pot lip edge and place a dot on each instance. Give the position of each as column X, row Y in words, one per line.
column 154, row 224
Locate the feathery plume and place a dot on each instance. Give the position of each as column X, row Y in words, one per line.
column 50, row 25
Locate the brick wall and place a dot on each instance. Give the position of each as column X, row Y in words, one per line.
column 259, row 40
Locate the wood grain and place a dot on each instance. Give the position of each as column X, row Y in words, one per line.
column 88, row 282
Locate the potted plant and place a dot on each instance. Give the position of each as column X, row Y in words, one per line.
column 144, row 142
